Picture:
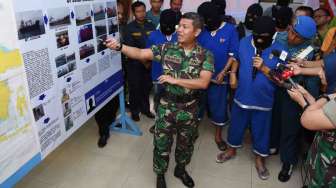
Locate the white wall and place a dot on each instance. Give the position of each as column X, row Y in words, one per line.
column 236, row 8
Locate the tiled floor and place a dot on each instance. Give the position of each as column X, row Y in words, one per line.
column 126, row 162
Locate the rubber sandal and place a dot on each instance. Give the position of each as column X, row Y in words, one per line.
column 223, row 157
column 263, row 173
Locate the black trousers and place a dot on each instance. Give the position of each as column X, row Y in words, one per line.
column 139, row 85
column 286, row 128
column 106, row 116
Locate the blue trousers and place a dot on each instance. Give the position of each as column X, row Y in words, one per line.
column 217, row 101
column 260, row 123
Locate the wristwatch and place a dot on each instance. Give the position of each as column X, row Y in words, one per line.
column 119, row 47
column 325, row 96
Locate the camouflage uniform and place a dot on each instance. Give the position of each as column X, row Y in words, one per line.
column 179, row 106
column 321, row 160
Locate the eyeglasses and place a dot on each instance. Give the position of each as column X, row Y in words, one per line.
column 319, row 16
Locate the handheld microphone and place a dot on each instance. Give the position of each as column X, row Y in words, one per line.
column 255, row 70
column 286, row 74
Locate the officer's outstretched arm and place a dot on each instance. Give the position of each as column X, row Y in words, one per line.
column 143, row 55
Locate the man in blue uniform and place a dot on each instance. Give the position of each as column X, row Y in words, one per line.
column 221, row 38
column 254, row 96
column 139, row 79
column 166, row 34
column 286, row 126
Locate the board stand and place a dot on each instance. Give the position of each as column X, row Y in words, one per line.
column 128, row 126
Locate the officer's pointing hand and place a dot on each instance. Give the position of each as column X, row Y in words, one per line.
column 167, row 79
column 112, row 43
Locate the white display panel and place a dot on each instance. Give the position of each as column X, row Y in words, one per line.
column 63, row 73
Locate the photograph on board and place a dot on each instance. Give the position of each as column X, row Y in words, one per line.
column 90, row 104
column 30, row 24
column 65, row 64
column 38, row 112
column 83, row 14
column 99, row 11
column 58, row 17
column 100, row 27
column 86, row 50
column 85, row 33
column 62, row 39
column 111, row 9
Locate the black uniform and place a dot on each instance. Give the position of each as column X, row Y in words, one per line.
column 139, row 77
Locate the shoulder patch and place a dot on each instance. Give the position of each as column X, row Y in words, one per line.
column 136, row 34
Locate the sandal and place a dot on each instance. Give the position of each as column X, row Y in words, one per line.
column 223, row 157
column 222, row 146
column 263, row 173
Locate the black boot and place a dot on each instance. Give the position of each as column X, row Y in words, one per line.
column 286, row 172
column 103, row 140
column 183, row 175
column 160, row 181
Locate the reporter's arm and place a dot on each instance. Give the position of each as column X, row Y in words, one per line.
column 319, row 115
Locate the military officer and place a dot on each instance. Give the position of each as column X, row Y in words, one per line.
column 187, row 67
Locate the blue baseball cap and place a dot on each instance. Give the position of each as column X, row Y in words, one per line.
column 305, row 26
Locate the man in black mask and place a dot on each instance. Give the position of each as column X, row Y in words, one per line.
column 254, row 96
column 221, row 6
column 253, row 13
column 272, row 10
column 221, row 38
column 168, row 21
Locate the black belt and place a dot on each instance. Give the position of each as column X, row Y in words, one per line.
column 179, row 98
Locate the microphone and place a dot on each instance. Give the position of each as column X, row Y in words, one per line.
column 255, row 70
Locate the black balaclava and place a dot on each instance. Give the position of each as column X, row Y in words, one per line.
column 168, row 21
column 263, row 25
column 253, row 13
column 284, row 3
column 283, row 17
column 210, row 14
column 221, row 6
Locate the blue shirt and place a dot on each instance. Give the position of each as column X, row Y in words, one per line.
column 222, row 43
column 330, row 71
column 155, row 38
column 255, row 94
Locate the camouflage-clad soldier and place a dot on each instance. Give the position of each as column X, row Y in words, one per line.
column 321, row 160
column 179, row 105
column 187, row 68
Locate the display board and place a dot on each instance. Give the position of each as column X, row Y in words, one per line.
column 55, row 73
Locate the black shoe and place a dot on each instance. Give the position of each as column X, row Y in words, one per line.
column 103, row 141
column 150, row 115
column 160, row 181
column 151, row 130
column 183, row 175
column 136, row 117
column 286, row 172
